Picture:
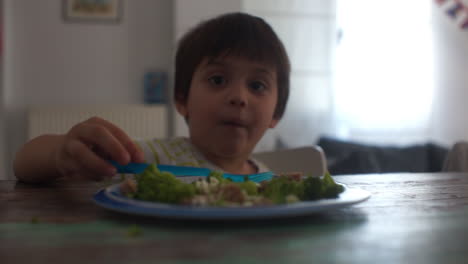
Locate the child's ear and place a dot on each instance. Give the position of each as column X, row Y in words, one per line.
column 274, row 122
column 182, row 109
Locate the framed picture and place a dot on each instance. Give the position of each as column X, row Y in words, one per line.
column 109, row 11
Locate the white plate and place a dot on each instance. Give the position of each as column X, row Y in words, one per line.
column 111, row 198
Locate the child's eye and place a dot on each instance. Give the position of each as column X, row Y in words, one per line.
column 257, row 86
column 217, row 80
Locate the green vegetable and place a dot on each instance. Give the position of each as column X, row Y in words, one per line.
column 280, row 187
column 249, row 187
column 312, row 189
column 316, row 188
column 215, row 190
column 331, row 189
column 219, row 176
column 163, row 187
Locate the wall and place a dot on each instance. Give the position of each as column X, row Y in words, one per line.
column 49, row 62
column 451, row 85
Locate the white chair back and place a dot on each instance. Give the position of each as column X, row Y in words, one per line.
column 457, row 158
column 308, row 160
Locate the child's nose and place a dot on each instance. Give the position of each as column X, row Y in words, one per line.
column 238, row 96
column 238, row 102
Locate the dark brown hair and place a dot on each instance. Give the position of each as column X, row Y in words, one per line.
column 236, row 34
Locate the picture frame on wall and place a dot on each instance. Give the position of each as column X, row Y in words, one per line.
column 93, row 11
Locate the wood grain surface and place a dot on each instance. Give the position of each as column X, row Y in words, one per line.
column 410, row 218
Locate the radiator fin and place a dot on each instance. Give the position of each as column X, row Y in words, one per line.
column 138, row 121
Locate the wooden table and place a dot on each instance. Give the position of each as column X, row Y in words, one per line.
column 410, row 218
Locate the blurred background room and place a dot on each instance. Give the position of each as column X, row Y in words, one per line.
column 379, row 84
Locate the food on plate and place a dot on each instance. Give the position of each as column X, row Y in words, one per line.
column 215, row 190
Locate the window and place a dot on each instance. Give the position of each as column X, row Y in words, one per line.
column 384, row 70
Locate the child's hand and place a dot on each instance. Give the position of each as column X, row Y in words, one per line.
column 87, row 147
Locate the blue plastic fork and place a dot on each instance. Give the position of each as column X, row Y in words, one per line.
column 181, row 171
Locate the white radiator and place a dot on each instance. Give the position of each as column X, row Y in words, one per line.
column 138, row 121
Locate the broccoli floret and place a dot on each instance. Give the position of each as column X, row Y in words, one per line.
column 316, row 188
column 249, row 187
column 327, row 180
column 163, row 187
column 219, row 176
column 312, row 189
column 280, row 187
column 330, row 188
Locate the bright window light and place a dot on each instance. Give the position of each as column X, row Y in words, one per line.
column 384, row 71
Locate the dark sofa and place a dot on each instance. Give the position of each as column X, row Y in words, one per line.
column 346, row 157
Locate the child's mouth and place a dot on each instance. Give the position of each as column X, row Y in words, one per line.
column 233, row 124
column 236, row 124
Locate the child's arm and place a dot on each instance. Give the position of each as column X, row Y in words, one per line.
column 83, row 151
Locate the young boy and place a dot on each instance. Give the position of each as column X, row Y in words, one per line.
column 231, row 85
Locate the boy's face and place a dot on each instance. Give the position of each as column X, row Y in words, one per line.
column 230, row 106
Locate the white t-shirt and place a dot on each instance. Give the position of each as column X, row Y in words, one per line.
column 180, row 151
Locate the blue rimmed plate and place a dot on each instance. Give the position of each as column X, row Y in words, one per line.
column 111, row 198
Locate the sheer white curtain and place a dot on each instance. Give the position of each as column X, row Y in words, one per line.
column 361, row 69
column 308, row 31
column 384, row 71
